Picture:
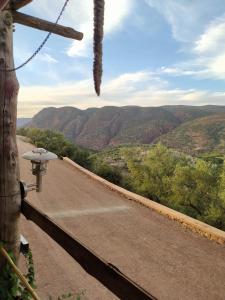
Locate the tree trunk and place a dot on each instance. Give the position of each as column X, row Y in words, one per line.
column 10, row 198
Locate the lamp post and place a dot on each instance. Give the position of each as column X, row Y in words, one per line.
column 39, row 159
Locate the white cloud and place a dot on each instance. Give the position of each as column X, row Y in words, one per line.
column 45, row 57
column 197, row 24
column 128, row 83
column 79, row 15
column 115, row 13
column 200, row 68
column 186, row 18
column 210, row 49
column 214, row 68
column 176, row 71
column 212, row 41
column 208, row 55
column 140, row 88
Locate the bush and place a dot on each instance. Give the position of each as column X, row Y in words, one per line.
column 195, row 187
column 56, row 142
column 109, row 173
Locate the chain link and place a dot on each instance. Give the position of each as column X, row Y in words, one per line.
column 41, row 46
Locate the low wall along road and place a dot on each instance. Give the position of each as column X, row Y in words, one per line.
column 165, row 258
column 203, row 229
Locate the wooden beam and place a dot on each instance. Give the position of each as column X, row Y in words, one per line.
column 110, row 276
column 40, row 24
column 17, row 4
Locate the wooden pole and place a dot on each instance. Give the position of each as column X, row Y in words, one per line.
column 10, row 199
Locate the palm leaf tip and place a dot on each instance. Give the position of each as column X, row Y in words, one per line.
column 99, row 7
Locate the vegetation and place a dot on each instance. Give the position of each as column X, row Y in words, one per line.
column 11, row 287
column 192, row 185
column 55, row 142
column 106, row 171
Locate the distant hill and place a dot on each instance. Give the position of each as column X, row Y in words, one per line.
column 22, row 122
column 98, row 128
column 201, row 135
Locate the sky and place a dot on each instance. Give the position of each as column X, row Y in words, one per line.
column 156, row 52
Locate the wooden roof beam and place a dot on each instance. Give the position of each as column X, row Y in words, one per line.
column 40, row 24
column 17, row 4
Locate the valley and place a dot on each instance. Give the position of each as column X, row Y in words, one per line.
column 99, row 128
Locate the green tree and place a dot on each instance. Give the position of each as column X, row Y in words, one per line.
column 216, row 215
column 195, row 188
column 110, row 173
column 57, row 143
column 152, row 177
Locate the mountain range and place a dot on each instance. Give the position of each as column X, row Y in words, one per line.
column 200, row 128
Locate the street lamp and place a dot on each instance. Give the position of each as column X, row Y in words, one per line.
column 39, row 158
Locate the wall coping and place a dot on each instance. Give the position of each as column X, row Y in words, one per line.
column 199, row 227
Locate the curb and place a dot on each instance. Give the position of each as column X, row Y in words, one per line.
column 199, row 227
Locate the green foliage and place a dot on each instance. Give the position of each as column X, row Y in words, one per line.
column 217, row 216
column 213, row 157
column 193, row 186
column 56, row 142
column 108, row 172
column 115, row 156
column 30, row 276
column 11, row 287
column 152, row 175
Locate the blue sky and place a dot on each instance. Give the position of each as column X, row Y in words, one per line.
column 156, row 52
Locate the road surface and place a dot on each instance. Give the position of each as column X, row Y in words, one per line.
column 159, row 254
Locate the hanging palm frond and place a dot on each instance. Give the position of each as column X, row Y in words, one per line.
column 99, row 6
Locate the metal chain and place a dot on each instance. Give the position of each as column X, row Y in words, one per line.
column 42, row 44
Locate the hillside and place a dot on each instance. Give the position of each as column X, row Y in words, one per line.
column 114, row 156
column 98, row 128
column 201, row 135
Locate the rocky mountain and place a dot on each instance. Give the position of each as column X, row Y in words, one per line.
column 97, row 128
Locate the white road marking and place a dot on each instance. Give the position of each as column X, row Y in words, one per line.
column 87, row 212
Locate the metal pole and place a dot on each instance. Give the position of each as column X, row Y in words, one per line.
column 39, row 181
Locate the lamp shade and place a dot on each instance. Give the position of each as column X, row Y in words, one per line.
column 39, row 155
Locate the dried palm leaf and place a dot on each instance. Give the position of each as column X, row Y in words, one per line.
column 99, row 6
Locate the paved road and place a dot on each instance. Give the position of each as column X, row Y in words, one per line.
column 166, row 259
